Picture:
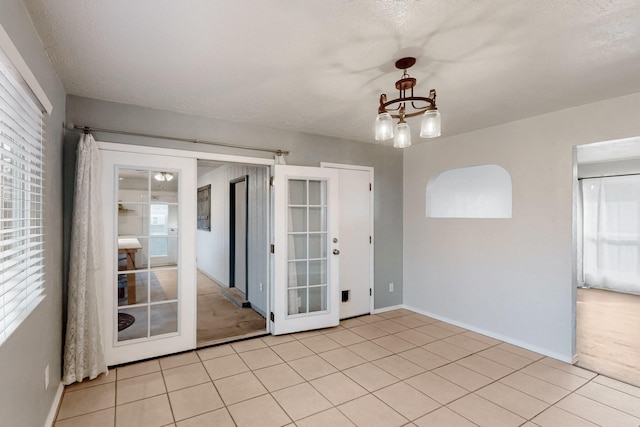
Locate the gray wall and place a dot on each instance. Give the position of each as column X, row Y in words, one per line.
column 38, row 341
column 306, row 150
column 510, row 278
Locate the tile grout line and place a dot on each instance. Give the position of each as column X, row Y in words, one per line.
column 323, row 333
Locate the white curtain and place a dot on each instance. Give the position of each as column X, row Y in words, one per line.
column 611, row 233
column 83, row 352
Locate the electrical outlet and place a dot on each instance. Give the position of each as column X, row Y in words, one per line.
column 260, row 286
column 46, row 377
column 390, row 287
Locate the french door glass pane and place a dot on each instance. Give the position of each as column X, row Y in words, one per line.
column 297, row 192
column 132, row 323
column 318, row 298
column 132, row 288
column 297, row 246
column 317, row 245
column 317, row 192
column 164, row 284
column 307, row 246
column 317, row 272
column 133, row 185
column 164, row 318
column 297, row 302
column 297, row 219
column 147, row 279
column 318, row 219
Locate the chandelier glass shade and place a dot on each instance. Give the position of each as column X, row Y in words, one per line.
column 403, row 136
column 405, row 106
column 163, row 176
column 384, row 127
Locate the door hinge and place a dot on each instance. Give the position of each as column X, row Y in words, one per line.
column 272, row 248
column 370, row 186
column 370, row 293
column 271, row 179
column 272, row 317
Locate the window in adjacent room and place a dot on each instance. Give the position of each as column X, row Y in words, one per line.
column 611, row 233
column 22, row 102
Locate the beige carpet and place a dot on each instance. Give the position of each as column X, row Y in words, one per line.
column 219, row 319
column 608, row 334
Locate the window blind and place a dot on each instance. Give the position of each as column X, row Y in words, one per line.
column 22, row 212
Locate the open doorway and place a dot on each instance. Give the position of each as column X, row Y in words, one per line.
column 232, row 251
column 607, row 246
column 238, row 235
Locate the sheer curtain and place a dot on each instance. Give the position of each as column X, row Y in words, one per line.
column 611, row 233
column 83, row 352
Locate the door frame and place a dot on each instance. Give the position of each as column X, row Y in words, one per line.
column 197, row 155
column 369, row 169
column 232, row 232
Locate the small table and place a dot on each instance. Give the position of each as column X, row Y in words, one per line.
column 129, row 246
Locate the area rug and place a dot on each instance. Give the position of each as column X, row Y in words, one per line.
column 124, row 321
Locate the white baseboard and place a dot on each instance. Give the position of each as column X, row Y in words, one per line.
column 212, row 278
column 390, row 308
column 500, row 337
column 54, row 406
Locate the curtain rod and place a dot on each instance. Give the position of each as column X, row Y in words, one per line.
column 609, row 176
column 88, row 129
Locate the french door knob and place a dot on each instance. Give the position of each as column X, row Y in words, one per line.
column 336, row 252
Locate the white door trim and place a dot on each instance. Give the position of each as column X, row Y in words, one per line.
column 370, row 169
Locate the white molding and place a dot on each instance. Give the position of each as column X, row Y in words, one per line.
column 346, row 166
column 390, row 308
column 21, row 67
column 144, row 149
column 500, row 337
column 53, row 411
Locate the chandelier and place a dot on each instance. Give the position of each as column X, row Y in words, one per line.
column 405, row 106
column 163, row 176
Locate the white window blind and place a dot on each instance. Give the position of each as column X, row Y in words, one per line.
column 22, row 211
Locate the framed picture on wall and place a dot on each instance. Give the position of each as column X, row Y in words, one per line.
column 204, row 208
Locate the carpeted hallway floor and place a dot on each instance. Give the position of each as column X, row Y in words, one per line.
column 219, row 319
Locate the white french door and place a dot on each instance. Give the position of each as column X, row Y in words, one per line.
column 148, row 303
column 305, row 291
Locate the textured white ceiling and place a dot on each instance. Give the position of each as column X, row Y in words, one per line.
column 319, row 66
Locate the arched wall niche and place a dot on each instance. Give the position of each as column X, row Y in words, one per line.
column 483, row 191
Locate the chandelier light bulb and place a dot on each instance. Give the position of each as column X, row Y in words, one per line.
column 384, row 127
column 403, row 136
column 430, row 126
column 163, row 176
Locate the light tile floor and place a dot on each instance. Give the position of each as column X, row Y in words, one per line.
column 391, row 369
